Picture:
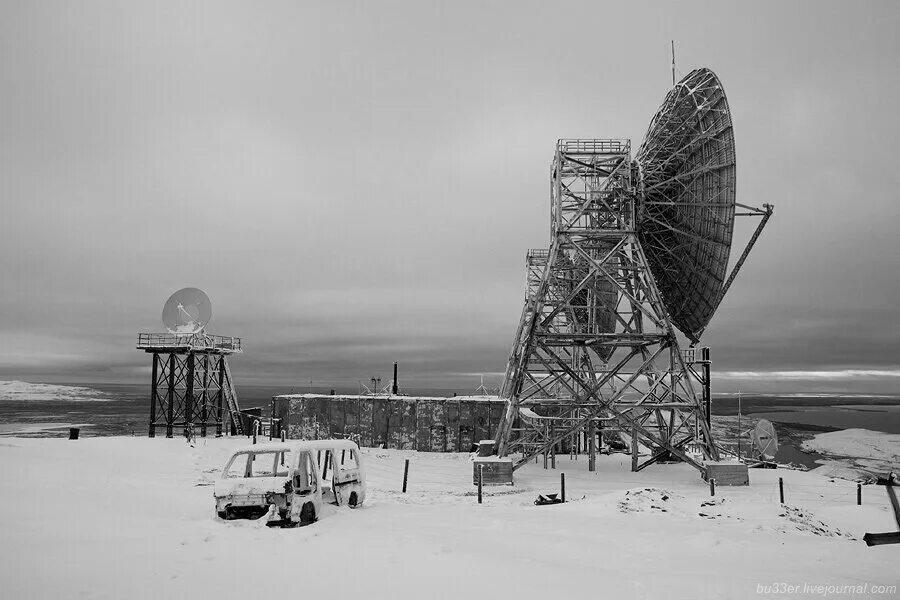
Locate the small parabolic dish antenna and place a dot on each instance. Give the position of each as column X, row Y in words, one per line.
column 686, row 218
column 187, row 311
column 764, row 439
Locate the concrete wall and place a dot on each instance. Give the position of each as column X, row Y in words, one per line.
column 403, row 422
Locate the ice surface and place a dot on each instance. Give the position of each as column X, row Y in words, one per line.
column 856, row 452
column 44, row 392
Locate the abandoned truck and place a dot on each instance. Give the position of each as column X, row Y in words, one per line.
column 297, row 478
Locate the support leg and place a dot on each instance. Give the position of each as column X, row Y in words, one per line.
column 634, row 449
column 189, row 397
column 170, row 415
column 707, row 394
column 219, row 395
column 204, row 397
column 591, row 446
column 153, row 376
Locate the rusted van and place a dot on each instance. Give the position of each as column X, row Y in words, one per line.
column 296, row 478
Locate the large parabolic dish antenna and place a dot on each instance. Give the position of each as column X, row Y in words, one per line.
column 187, row 311
column 686, row 219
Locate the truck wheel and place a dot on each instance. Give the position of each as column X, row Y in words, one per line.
column 354, row 499
column 307, row 514
column 222, row 514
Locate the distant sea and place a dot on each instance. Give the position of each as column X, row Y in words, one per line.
column 100, row 409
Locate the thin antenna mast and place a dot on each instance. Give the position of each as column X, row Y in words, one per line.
column 673, row 63
column 481, row 389
column 739, row 424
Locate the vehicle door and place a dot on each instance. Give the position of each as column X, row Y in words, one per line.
column 326, row 469
column 305, row 479
column 346, row 480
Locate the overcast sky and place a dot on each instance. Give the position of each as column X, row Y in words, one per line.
column 357, row 183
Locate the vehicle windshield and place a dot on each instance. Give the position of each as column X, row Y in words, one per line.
column 257, row 464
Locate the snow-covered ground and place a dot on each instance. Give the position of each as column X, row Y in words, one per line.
column 133, row 518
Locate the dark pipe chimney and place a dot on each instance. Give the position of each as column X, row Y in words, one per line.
column 394, row 387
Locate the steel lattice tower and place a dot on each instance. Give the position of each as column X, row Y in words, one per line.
column 190, row 383
column 595, row 349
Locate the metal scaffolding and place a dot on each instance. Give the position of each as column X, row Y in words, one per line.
column 638, row 246
column 595, row 349
column 191, row 384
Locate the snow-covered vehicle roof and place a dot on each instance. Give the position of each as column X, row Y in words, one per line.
column 299, row 445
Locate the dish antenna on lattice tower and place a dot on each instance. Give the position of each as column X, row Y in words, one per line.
column 191, row 384
column 639, row 246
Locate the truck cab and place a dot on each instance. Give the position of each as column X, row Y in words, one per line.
column 296, row 478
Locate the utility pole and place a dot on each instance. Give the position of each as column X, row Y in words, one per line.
column 739, row 425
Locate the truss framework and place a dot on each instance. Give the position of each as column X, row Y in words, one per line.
column 190, row 389
column 595, row 349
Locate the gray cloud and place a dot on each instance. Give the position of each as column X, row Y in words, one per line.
column 355, row 184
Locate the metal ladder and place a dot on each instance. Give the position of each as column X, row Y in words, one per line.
column 231, row 397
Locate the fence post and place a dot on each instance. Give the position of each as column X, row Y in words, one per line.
column 712, row 486
column 282, row 435
column 255, row 428
column 562, row 486
column 781, row 489
column 405, row 474
column 480, row 481
column 859, row 494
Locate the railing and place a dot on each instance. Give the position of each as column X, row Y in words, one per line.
column 594, row 146
column 537, row 254
column 189, row 341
